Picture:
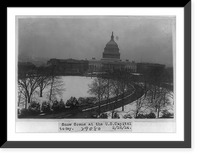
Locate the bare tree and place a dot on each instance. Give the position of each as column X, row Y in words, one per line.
column 107, row 79
column 56, row 87
column 22, row 98
column 45, row 79
column 108, row 89
column 45, row 82
column 145, row 84
column 97, row 88
column 161, row 101
column 27, row 86
column 140, row 105
column 118, row 82
column 54, row 81
column 115, row 89
column 159, row 96
column 123, row 79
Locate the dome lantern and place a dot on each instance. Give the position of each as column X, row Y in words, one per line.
column 112, row 37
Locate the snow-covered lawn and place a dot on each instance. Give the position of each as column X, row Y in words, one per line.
column 75, row 86
column 130, row 109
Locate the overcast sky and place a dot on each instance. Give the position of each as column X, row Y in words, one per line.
column 140, row 39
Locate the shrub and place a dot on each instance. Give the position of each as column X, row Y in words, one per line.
column 127, row 116
column 55, row 106
column 115, row 115
column 150, row 115
column 167, row 114
column 141, row 116
column 24, row 112
column 103, row 115
column 58, row 106
column 61, row 105
column 34, row 108
column 45, row 107
column 91, row 100
column 72, row 103
column 82, row 101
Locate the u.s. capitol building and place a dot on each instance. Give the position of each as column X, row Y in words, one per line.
column 110, row 61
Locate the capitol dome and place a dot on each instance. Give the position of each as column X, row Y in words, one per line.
column 112, row 43
column 111, row 51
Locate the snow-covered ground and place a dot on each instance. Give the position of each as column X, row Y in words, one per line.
column 130, row 109
column 75, row 86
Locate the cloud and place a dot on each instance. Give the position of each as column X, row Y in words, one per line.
column 138, row 38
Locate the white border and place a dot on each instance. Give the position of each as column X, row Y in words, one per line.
column 178, row 136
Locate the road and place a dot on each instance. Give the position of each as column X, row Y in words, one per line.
column 131, row 96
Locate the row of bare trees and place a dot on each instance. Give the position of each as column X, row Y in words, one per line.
column 33, row 80
column 110, row 84
column 156, row 97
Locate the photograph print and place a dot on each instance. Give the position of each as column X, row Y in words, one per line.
column 95, row 68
